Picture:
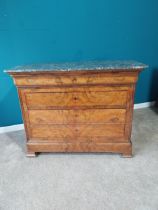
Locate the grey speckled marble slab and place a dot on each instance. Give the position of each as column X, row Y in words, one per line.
column 80, row 66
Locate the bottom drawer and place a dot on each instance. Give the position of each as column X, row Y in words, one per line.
column 80, row 132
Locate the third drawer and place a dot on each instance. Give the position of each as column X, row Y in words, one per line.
column 77, row 116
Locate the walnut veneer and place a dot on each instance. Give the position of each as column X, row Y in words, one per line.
column 77, row 111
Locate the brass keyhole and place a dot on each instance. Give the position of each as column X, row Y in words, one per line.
column 74, row 79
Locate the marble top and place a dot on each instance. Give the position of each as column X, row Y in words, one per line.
column 78, row 66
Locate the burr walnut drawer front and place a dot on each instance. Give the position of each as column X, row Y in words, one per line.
column 98, row 125
column 55, row 80
column 75, row 99
column 78, row 132
column 41, row 117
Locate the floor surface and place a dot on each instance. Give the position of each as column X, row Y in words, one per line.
column 82, row 181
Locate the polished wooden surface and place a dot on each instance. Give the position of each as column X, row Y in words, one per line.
column 77, row 111
column 82, row 132
column 61, row 100
column 80, row 116
column 83, row 79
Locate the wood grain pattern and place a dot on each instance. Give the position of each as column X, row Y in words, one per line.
column 77, row 111
column 44, row 100
column 37, row 117
column 75, row 79
column 78, row 132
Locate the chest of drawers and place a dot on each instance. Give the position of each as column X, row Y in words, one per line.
column 74, row 108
